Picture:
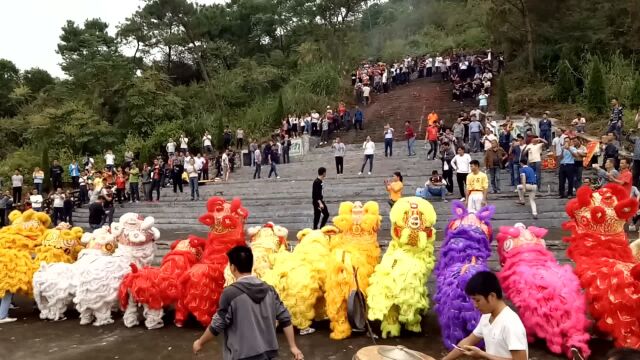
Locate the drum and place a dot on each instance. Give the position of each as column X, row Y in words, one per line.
column 384, row 352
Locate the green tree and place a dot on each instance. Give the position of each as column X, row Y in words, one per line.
column 565, row 88
column 279, row 113
column 595, row 90
column 219, row 134
column 9, row 80
column 634, row 98
column 503, row 97
column 37, row 79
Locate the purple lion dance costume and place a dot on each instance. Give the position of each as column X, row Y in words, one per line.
column 548, row 295
column 465, row 251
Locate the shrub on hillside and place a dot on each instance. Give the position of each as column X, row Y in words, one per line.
column 634, row 97
column 595, row 91
column 503, row 97
column 565, row 89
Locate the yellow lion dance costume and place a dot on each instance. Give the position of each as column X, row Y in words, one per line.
column 266, row 241
column 397, row 291
column 27, row 242
column 355, row 247
column 299, row 276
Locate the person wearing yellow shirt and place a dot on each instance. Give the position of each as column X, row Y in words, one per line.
column 432, row 118
column 394, row 187
column 477, row 185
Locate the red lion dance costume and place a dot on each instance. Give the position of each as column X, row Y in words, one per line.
column 605, row 265
column 191, row 275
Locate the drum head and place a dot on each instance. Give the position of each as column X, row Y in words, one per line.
column 357, row 311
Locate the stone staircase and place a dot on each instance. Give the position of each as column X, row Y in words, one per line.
column 412, row 102
column 287, row 201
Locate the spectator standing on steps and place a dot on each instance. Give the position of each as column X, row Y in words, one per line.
column 16, row 183
column 74, row 173
column 545, row 125
column 177, row 169
column 567, row 171
column 110, row 160
column 207, row 148
column 475, row 132
column 388, row 140
column 239, row 139
column 184, row 143
column 477, row 186
column 358, row 118
column 461, row 164
column 38, row 178
column 493, row 160
column 411, row 138
column 56, row 172
column 339, row 151
column 533, row 151
column 369, row 149
column 432, row 138
column 528, row 184
column 616, row 122
column 458, row 132
column 273, row 160
column 257, row 156
column 286, row 146
column 58, row 206
column 171, row 147
column 319, row 206
column 447, row 155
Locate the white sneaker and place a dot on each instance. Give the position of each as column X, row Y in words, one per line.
column 369, row 173
column 632, row 228
column 462, row 199
column 360, row 173
column 277, row 177
column 307, row 331
column 8, row 320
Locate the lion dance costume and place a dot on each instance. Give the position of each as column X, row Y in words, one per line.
column 97, row 285
column 464, row 252
column 191, row 275
column 605, row 265
column 354, row 250
column 266, row 241
column 547, row 294
column 27, row 242
column 54, row 284
column 397, row 293
column 300, row 276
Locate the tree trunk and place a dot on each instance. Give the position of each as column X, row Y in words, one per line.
column 527, row 24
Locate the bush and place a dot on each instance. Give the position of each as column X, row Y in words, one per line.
column 634, row 97
column 596, row 95
column 503, row 97
column 565, row 89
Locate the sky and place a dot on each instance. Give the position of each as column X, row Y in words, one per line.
column 30, row 29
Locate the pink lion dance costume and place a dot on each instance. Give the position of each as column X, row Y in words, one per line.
column 464, row 252
column 191, row 275
column 547, row 294
column 605, row 265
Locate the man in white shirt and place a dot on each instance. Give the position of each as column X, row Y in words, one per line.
column 200, row 164
column 36, row 200
column 184, row 143
column 206, row 143
column 109, row 160
column 388, row 140
column 534, row 153
column 500, row 327
column 366, row 90
column 461, row 164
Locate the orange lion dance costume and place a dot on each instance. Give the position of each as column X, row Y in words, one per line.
column 191, row 275
column 605, row 265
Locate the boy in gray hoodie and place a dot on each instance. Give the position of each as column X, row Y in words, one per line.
column 247, row 315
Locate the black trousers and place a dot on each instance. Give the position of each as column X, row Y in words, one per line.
column 75, row 182
column 339, row 164
column 3, row 217
column 448, row 177
column 285, row 155
column 239, row 143
column 177, row 181
column 56, row 182
column 368, row 158
column 316, row 215
column 433, row 147
column 567, row 175
column 388, row 145
column 58, row 215
column 462, row 182
column 257, row 172
column 17, row 194
column 636, row 173
column 155, row 185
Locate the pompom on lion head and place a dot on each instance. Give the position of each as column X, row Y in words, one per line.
column 135, row 230
column 29, row 223
column 480, row 221
column 516, row 237
column 268, row 236
column 224, row 217
column 355, row 218
column 604, row 211
column 100, row 240
column 414, row 214
column 63, row 237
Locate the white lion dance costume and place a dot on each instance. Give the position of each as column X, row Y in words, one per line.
column 54, row 284
column 98, row 284
column 397, row 291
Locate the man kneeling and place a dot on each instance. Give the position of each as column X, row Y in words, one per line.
column 247, row 315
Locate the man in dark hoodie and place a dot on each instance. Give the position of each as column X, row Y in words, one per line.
column 247, row 315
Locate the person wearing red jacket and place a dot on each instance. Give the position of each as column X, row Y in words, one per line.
column 432, row 138
column 411, row 137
